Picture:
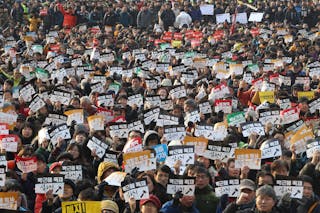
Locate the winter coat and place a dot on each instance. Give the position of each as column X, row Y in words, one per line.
column 144, row 19
column 206, row 199
column 169, row 207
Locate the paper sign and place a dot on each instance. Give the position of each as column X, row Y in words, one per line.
column 133, row 145
column 230, row 187
column 207, row 9
column 135, row 100
column 271, row 149
column 81, row 206
column 55, row 119
column 248, row 157
column 255, row 17
column 3, row 175
column 300, row 138
column 53, row 182
column 181, row 152
column 314, row 105
column 205, row 131
column 9, row 200
column 269, row 116
column 285, row 103
column 143, row 160
column 199, row 143
column 219, row 92
column 307, row 94
column 75, row 114
column 267, row 96
column 220, row 131
column 36, row 104
column 99, row 146
column 289, row 115
column 178, row 92
column 161, row 152
column 242, row 18
column 96, row 122
column 137, row 190
column 235, row 119
column 72, row 172
column 174, row 133
column 167, row 120
column 59, row 132
column 151, row 115
column 252, row 127
column 185, row 186
column 119, row 130
column 313, row 145
column 216, row 151
column 221, row 18
column 284, row 186
column 115, row 178
column 223, row 105
column 236, row 69
column 9, row 142
column 26, row 165
column 205, row 108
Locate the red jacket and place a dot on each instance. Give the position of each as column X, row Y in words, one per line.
column 69, row 19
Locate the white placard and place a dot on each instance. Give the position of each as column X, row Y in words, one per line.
column 99, row 146
column 221, row 18
column 255, row 17
column 53, row 182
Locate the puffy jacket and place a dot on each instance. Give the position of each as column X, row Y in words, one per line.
column 169, row 207
column 206, row 199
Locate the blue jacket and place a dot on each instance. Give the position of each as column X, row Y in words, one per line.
column 168, row 207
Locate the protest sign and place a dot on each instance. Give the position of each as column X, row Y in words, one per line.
column 248, row 157
column 80, row 206
column 270, row 149
column 49, row 182
column 111, row 156
column 2, row 175
column 236, row 118
column 174, row 133
column 307, row 94
column 27, row 164
column 313, row 145
column 185, row 186
column 269, row 116
column 300, row 138
column 105, row 100
column 151, row 115
column 289, row 115
column 161, row 152
column 221, row 18
column 205, row 108
column 267, row 96
column 165, row 119
column 207, row 9
column 255, row 17
column 217, row 151
column 36, row 103
column 252, row 127
column 223, row 105
column 138, row 190
column 205, row 131
column 9, row 200
column 314, row 105
column 9, row 142
column 229, row 187
column 59, row 132
column 289, row 185
column 119, row 130
column 135, row 100
column 76, row 115
column 96, row 122
column 133, row 145
column 100, row 147
column 183, row 153
column 115, row 178
column 56, row 119
column 4, row 129
column 143, row 160
column 72, row 172
column 199, row 143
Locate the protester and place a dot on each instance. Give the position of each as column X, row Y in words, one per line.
column 160, row 106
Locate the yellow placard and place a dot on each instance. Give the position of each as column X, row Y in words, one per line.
column 142, row 155
column 288, row 38
column 96, row 122
column 266, row 96
column 75, row 114
column 249, row 153
column 237, row 69
column 200, row 143
column 176, row 43
column 81, row 207
column 248, row 157
column 300, row 138
column 307, row 94
column 9, row 200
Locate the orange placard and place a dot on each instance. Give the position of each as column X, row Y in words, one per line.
column 9, row 200
column 248, row 157
column 200, row 143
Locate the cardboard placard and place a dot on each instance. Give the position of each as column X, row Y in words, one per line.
column 9, row 142
column 216, row 151
column 185, row 186
column 137, row 190
column 161, row 152
column 248, row 157
column 255, row 17
column 76, row 115
column 267, row 96
column 300, row 138
column 27, row 92
column 96, row 122
column 9, row 200
column 205, row 131
column 313, row 145
column 143, row 160
column 47, row 182
column 252, row 127
column 36, row 104
column 236, row 118
column 81, row 206
column 167, row 120
column 151, row 115
column 270, row 149
column 199, row 143
column 178, row 92
column 223, row 105
column 99, row 146
column 119, row 130
column 269, row 116
column 174, row 133
column 72, row 172
column 59, row 132
column 289, row 115
column 183, row 153
column 229, row 187
column 205, row 108
column 56, row 119
column 286, row 185
column 26, row 165
column 135, row 100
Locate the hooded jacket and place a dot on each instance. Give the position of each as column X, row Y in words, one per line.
column 147, row 135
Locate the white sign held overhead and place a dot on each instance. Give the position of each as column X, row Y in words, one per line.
column 207, row 9
column 255, row 17
column 221, row 18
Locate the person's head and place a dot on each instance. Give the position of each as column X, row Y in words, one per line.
column 41, row 163
column 8, row 84
column 68, row 190
column 109, row 206
column 150, row 205
column 163, row 93
column 75, row 102
column 27, row 130
column 136, row 82
column 307, row 186
column 150, row 180
column 189, row 105
column 232, row 171
column 248, row 188
column 162, row 175
column 265, row 178
column 202, row 177
column 87, row 194
column 279, row 167
column 55, row 168
column 75, row 150
column 206, row 161
column 187, row 201
column 265, row 198
column 151, row 138
column 105, row 169
column 122, row 100
column 134, row 134
column 303, row 105
column 85, row 102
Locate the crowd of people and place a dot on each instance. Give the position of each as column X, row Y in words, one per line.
column 159, row 106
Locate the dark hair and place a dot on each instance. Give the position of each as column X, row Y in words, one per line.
column 277, row 164
column 165, row 169
column 264, row 174
column 308, row 179
column 88, row 194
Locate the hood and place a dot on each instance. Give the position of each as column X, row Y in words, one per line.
column 147, row 135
